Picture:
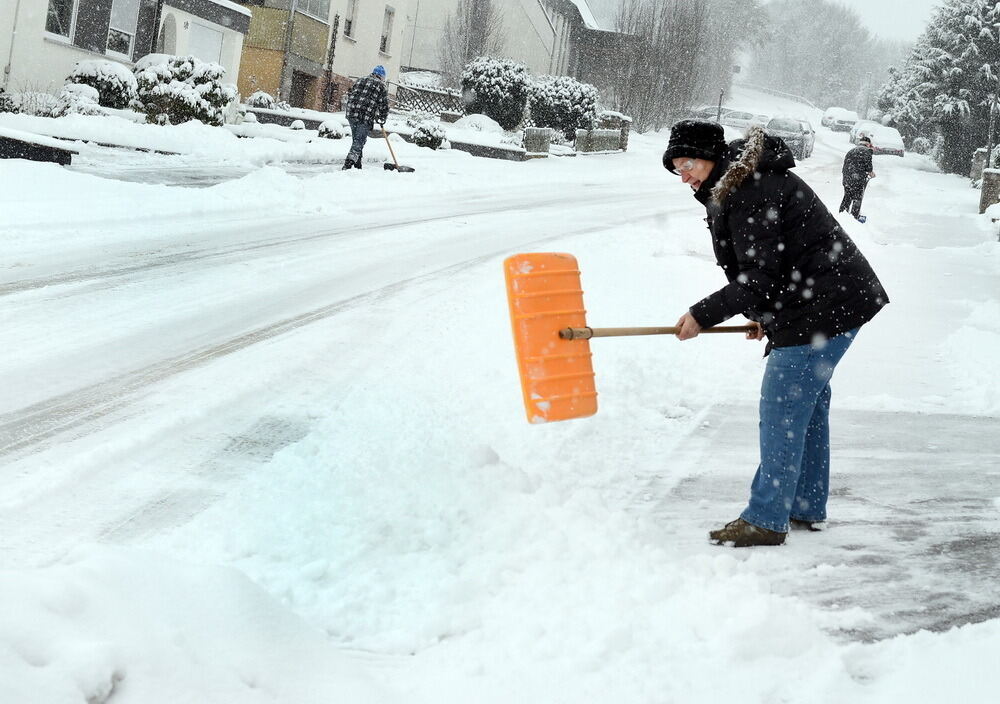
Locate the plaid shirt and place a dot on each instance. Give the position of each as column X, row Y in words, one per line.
column 368, row 101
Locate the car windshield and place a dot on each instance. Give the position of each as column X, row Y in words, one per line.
column 784, row 125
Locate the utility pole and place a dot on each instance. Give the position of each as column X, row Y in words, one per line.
column 989, row 139
column 293, row 5
column 718, row 114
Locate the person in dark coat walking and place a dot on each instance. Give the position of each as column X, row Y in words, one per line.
column 367, row 103
column 857, row 172
column 800, row 277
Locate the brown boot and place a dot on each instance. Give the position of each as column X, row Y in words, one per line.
column 740, row 534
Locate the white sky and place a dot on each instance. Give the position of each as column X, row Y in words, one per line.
column 894, row 19
column 890, row 19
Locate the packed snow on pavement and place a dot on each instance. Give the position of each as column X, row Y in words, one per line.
column 263, row 441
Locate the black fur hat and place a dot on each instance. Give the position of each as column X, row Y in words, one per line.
column 697, row 139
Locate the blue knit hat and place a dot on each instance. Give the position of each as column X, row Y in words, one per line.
column 379, row 71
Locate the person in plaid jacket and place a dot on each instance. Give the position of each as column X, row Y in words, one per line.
column 367, row 103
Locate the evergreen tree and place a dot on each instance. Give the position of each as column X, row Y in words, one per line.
column 950, row 80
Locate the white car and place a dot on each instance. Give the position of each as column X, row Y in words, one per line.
column 839, row 119
column 743, row 119
column 737, row 118
column 862, row 127
column 886, row 140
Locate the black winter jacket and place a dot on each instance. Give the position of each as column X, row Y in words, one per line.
column 789, row 264
column 857, row 164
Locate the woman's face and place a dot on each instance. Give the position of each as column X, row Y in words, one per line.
column 693, row 171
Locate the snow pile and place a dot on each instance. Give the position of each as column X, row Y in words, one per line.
column 116, row 625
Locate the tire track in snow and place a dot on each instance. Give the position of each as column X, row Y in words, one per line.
column 26, row 430
column 193, row 256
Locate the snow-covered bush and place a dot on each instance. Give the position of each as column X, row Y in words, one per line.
column 176, row 89
column 250, row 117
column 79, row 99
column 38, row 104
column 115, row 84
column 331, row 130
column 921, row 145
column 9, row 102
column 283, row 105
column 260, row 99
column 415, row 118
column 563, row 103
column 428, row 134
column 497, row 88
column 297, row 125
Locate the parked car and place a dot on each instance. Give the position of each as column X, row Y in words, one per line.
column 808, row 136
column 886, row 140
column 839, row 119
column 793, row 133
column 862, row 127
column 739, row 118
column 708, row 112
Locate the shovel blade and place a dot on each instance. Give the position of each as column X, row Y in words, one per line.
column 557, row 376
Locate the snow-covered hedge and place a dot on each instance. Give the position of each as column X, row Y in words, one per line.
column 8, row 102
column 496, row 88
column 428, row 134
column 38, row 104
column 176, row 89
column 331, row 129
column 115, row 84
column 79, row 99
column 260, row 99
column 563, row 103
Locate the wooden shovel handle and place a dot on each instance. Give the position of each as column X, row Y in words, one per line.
column 389, row 144
column 587, row 333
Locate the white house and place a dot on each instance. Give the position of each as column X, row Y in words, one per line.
column 42, row 40
column 547, row 36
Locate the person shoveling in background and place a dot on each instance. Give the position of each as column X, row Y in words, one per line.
column 857, row 172
column 793, row 270
column 367, row 103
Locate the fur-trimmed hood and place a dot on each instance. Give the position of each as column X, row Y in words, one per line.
column 758, row 152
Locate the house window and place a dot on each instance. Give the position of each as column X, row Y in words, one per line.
column 60, row 18
column 352, row 7
column 121, row 32
column 320, row 9
column 384, row 46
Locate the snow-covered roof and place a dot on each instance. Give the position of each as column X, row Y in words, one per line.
column 228, row 4
column 233, row 6
column 589, row 21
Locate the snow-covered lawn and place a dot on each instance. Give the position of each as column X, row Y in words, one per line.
column 263, row 442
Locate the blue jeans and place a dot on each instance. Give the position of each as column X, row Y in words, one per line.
column 793, row 479
column 359, row 135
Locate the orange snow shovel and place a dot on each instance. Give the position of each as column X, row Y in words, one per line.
column 551, row 337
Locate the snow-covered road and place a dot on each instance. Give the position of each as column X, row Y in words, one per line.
column 284, row 409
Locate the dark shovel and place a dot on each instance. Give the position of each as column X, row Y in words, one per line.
column 394, row 166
